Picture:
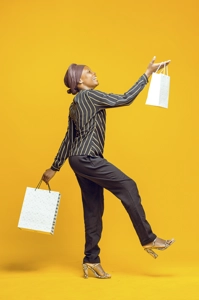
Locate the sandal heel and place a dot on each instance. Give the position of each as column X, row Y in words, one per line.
column 85, row 270
column 151, row 252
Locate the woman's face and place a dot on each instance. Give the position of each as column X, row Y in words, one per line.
column 88, row 78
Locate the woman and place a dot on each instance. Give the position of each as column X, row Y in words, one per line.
column 84, row 145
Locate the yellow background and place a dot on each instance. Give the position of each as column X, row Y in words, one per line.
column 117, row 39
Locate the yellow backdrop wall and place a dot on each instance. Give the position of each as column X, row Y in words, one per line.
column 39, row 40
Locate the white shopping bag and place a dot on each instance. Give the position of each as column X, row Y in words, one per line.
column 158, row 94
column 39, row 210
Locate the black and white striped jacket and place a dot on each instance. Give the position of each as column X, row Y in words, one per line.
column 87, row 120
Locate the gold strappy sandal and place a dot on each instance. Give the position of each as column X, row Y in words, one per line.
column 158, row 245
column 96, row 269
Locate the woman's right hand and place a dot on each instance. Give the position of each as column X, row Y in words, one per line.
column 153, row 67
column 48, row 175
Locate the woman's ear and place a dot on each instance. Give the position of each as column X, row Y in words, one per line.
column 80, row 81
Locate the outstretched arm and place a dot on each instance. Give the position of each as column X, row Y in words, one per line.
column 103, row 100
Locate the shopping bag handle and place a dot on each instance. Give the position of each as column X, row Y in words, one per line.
column 38, row 186
column 165, row 67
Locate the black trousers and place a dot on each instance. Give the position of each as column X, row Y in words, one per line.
column 94, row 174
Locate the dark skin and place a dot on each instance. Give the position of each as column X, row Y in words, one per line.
column 89, row 81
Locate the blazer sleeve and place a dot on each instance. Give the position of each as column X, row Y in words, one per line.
column 102, row 100
column 65, row 146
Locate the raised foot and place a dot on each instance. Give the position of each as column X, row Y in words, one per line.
column 158, row 244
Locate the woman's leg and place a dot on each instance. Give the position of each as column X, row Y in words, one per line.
column 93, row 207
column 106, row 175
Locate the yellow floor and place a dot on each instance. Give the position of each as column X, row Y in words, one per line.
column 173, row 281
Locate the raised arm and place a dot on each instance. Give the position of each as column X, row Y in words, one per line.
column 102, row 100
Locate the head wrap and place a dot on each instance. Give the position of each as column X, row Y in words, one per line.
column 72, row 77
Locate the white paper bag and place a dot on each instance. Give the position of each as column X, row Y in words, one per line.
column 158, row 94
column 39, row 210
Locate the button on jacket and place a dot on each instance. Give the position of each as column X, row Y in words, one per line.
column 87, row 120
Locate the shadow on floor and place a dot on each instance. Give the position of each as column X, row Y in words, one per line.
column 20, row 267
column 158, row 275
